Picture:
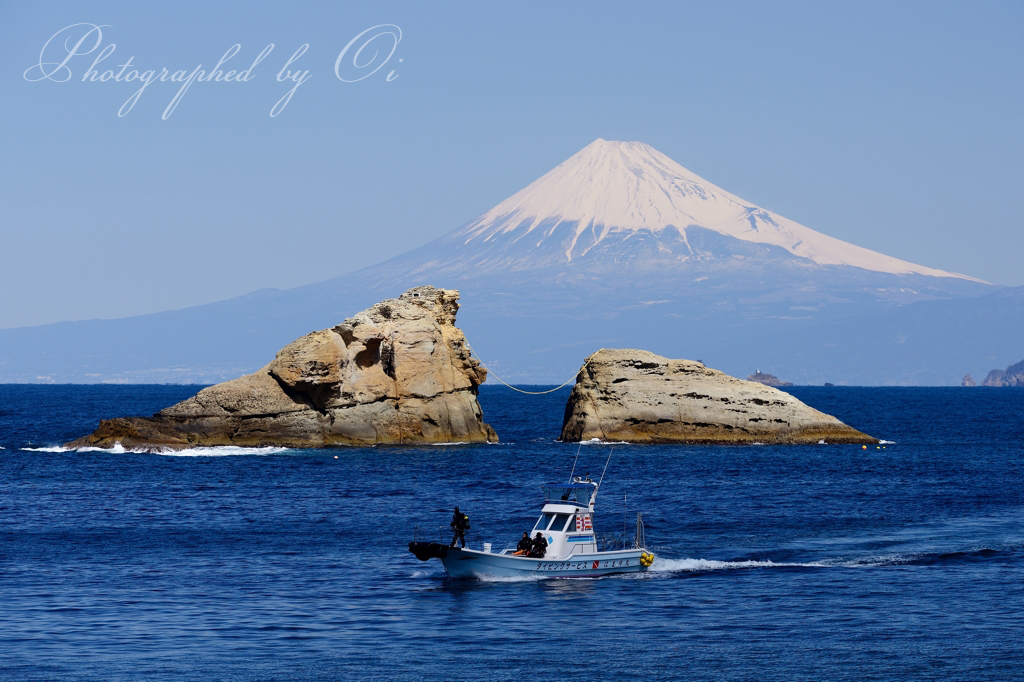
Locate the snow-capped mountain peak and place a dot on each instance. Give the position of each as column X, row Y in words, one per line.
column 615, row 188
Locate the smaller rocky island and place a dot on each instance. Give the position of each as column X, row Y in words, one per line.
column 1011, row 376
column 639, row 397
column 398, row 372
column 767, row 379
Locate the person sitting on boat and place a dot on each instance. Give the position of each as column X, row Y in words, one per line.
column 539, row 547
column 524, row 546
column 459, row 524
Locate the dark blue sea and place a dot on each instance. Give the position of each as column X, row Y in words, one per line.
column 774, row 563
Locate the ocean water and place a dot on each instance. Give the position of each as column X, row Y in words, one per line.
column 774, row 563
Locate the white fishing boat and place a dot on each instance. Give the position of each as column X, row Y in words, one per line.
column 566, row 523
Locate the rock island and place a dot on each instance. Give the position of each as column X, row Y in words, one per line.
column 398, row 372
column 639, row 397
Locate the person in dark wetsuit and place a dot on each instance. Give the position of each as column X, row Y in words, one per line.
column 539, row 547
column 459, row 524
column 524, row 546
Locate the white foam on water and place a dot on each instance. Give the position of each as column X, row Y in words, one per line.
column 679, row 565
column 60, row 448
column 211, row 451
column 529, row 578
column 872, row 561
column 887, row 442
column 426, row 574
column 223, row 451
column 663, row 566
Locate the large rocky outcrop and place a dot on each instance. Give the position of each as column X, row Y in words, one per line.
column 398, row 372
column 1011, row 376
column 639, row 397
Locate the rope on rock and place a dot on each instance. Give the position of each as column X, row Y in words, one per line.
column 550, row 390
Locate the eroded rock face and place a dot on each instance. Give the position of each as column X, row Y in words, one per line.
column 398, row 372
column 1011, row 376
column 639, row 397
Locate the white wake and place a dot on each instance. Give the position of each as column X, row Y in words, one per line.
column 689, row 565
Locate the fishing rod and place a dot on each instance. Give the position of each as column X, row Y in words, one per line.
column 605, row 467
column 578, row 448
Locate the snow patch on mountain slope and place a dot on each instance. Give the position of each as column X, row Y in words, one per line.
column 613, row 186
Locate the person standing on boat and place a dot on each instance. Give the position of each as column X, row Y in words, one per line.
column 540, row 547
column 459, row 524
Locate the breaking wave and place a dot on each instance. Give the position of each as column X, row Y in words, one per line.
column 208, row 451
column 223, row 451
column 117, row 449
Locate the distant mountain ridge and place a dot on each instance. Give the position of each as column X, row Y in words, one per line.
column 1011, row 376
column 619, row 246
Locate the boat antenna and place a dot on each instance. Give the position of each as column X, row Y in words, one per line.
column 605, row 467
column 623, row 518
column 578, row 448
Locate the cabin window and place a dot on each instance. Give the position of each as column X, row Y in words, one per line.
column 558, row 523
column 543, row 521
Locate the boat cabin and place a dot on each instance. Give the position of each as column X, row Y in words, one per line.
column 566, row 519
column 579, row 493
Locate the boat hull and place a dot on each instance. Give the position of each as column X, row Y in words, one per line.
column 470, row 563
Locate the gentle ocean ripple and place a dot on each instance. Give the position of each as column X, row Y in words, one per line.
column 812, row 562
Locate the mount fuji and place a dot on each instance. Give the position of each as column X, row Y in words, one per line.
column 618, row 246
column 629, row 204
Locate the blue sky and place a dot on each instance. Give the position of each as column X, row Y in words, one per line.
column 896, row 126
